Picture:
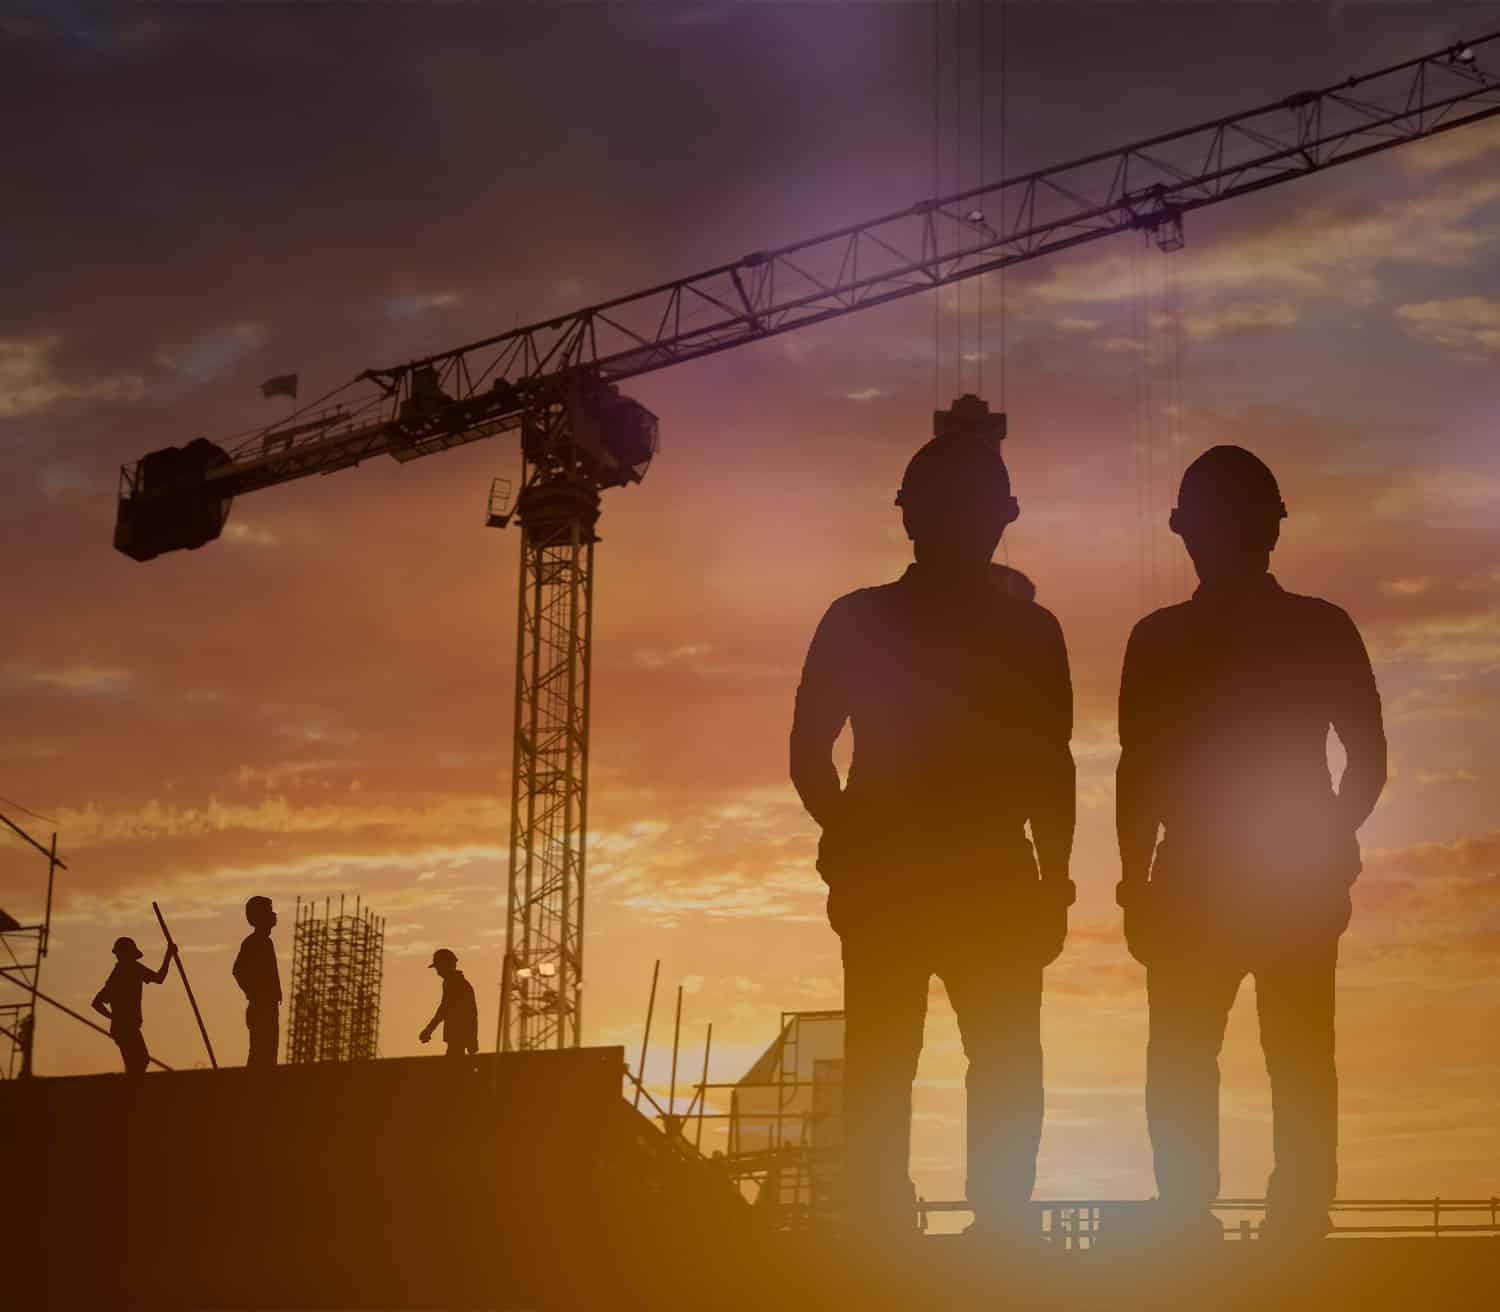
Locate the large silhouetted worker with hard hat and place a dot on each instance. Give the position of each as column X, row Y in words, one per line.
column 119, row 1001
column 1225, row 705
column 259, row 978
column 956, row 685
column 457, row 1013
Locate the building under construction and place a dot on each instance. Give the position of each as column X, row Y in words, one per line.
column 337, row 961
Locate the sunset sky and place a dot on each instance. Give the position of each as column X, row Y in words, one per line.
column 201, row 196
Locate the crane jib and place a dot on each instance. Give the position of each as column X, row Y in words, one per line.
column 174, row 498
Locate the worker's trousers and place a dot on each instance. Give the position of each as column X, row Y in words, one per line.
column 132, row 1047
column 998, row 1002
column 1191, row 990
column 263, row 1020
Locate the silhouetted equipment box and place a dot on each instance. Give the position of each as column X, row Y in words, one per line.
column 513, row 1180
column 168, row 503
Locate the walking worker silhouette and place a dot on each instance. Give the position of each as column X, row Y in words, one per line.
column 458, row 1013
column 119, row 1001
column 1225, row 705
column 957, row 689
column 259, row 978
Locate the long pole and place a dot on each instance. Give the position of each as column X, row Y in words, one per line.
column 16, row 977
column 671, row 1128
column 640, row 1070
column 182, row 972
column 703, row 1087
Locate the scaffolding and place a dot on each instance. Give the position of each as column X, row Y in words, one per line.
column 337, row 960
column 24, row 947
column 786, row 1122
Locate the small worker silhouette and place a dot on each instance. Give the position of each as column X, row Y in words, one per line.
column 259, row 978
column 25, row 1033
column 956, row 685
column 1226, row 701
column 458, row 1013
column 119, row 1001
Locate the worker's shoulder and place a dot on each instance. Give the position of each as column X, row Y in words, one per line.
column 863, row 606
column 252, row 942
column 1321, row 625
column 1163, row 623
column 1317, row 610
column 1026, row 623
column 876, row 594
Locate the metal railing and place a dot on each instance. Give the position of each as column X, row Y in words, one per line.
column 1082, row 1224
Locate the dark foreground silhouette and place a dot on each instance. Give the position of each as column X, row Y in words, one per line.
column 535, row 1186
column 956, row 686
column 1225, row 706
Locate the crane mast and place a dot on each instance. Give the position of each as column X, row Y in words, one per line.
column 556, row 382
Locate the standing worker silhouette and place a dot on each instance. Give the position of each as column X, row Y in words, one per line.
column 458, row 1013
column 1225, row 705
column 956, row 686
column 119, row 1001
column 259, row 978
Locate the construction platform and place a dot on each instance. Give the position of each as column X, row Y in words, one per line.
column 526, row 1181
column 522, row 1180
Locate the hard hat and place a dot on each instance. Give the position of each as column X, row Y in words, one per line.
column 444, row 957
column 952, row 468
column 1228, row 482
column 126, row 949
column 961, row 463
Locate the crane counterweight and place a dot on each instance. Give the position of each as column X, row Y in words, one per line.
column 172, row 505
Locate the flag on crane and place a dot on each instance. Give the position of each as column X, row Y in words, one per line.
column 281, row 385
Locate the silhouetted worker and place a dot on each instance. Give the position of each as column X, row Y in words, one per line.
column 259, row 978
column 1225, row 705
column 956, row 685
column 119, row 1001
column 458, row 1013
column 25, row 1033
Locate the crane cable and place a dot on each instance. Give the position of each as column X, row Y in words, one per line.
column 1159, row 439
column 1179, row 404
column 937, row 190
column 978, row 177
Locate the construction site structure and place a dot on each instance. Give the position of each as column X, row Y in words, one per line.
column 556, row 381
column 337, row 962
column 785, row 1123
column 25, row 949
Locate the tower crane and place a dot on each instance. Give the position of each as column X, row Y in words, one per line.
column 558, row 383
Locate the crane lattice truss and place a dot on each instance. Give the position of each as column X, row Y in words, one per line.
column 558, row 507
column 556, row 381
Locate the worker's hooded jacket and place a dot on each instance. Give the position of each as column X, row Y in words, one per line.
column 956, row 695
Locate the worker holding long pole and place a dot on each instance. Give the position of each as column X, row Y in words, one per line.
column 119, row 1001
column 16, row 977
column 182, row 971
